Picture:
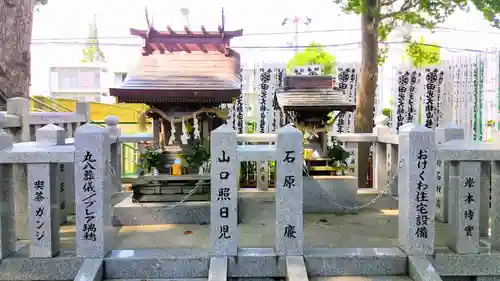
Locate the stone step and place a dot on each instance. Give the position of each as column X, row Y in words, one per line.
column 149, row 279
column 362, row 278
column 253, row 262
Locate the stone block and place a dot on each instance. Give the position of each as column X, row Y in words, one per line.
column 224, row 185
column 296, row 269
column 421, row 269
column 416, row 201
column 43, row 211
column 463, row 222
column 91, row 270
column 218, row 269
column 289, row 192
column 444, row 134
column 94, row 231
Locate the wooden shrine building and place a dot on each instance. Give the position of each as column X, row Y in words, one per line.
column 309, row 100
column 184, row 75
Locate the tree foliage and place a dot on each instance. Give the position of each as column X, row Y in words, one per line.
column 92, row 52
column 315, row 53
column 422, row 54
column 389, row 14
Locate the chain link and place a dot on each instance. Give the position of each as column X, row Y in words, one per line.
column 118, row 181
column 199, row 184
column 380, row 194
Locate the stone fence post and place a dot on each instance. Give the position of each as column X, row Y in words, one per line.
column 7, row 215
column 44, row 198
column 289, row 192
column 224, row 182
column 93, row 189
column 417, row 201
column 116, row 151
column 444, row 134
column 21, row 107
column 83, row 108
column 379, row 171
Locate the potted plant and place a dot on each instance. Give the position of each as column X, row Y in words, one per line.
column 151, row 159
column 338, row 155
column 197, row 154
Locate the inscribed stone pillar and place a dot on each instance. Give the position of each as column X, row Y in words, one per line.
column 51, row 135
column 262, row 175
column 379, row 170
column 289, row 192
column 7, row 216
column 485, row 199
column 464, row 202
column 444, row 134
column 224, row 184
column 43, row 211
column 94, row 231
column 416, row 199
column 21, row 107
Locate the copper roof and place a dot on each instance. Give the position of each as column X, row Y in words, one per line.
column 183, row 77
column 314, row 99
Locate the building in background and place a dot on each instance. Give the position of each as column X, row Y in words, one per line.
column 84, row 82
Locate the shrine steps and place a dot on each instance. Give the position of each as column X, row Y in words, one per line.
column 362, row 278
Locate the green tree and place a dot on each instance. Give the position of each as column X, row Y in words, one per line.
column 378, row 19
column 16, row 21
column 92, row 52
column 422, row 54
column 315, row 53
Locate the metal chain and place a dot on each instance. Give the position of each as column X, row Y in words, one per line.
column 118, row 181
column 380, row 194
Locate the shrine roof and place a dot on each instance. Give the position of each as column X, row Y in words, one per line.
column 170, row 41
column 314, row 99
column 195, row 77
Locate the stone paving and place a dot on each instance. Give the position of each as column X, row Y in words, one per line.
column 374, row 226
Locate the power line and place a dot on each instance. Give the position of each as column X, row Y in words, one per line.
column 437, row 29
column 280, row 47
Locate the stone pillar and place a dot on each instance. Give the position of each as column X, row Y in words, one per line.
column 463, row 236
column 116, row 153
column 392, row 168
column 444, row 134
column 50, row 135
column 485, row 199
column 224, row 182
column 94, row 230
column 83, row 108
column 495, row 205
column 7, row 216
column 43, row 211
column 289, row 192
column 21, row 108
column 156, row 132
column 416, row 201
column 44, row 191
column 263, row 175
column 379, row 171
column 140, row 150
column 69, row 186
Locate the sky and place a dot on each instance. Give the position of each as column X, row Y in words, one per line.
column 67, row 20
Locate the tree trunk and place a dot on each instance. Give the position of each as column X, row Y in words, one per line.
column 367, row 84
column 16, row 21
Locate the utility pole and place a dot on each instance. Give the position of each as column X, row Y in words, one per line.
column 296, row 21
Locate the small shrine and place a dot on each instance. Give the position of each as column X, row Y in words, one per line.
column 184, row 76
column 314, row 102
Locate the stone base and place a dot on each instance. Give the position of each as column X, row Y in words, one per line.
column 194, row 263
column 322, row 192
